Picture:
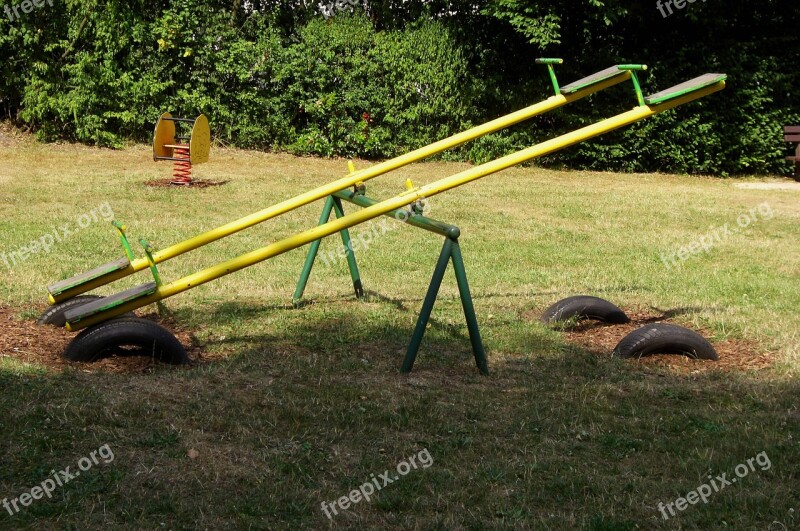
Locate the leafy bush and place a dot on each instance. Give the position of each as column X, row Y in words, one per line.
column 393, row 76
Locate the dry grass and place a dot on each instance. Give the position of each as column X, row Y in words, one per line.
column 297, row 406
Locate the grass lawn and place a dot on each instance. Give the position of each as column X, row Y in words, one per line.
column 289, row 408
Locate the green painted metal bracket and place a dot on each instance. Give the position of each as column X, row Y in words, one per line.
column 148, row 251
column 550, row 62
column 411, row 218
column 635, row 79
column 127, row 246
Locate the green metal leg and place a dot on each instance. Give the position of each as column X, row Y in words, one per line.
column 331, row 203
column 312, row 254
column 450, row 249
column 469, row 309
column 427, row 306
column 351, row 257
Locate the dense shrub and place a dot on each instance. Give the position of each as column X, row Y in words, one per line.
column 338, row 87
column 393, row 75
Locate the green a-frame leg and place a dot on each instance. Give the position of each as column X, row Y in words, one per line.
column 450, row 251
column 330, row 204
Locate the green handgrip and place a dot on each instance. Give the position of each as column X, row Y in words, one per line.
column 635, row 79
column 127, row 246
column 550, row 62
column 148, row 251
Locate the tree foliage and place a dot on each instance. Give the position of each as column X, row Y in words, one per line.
column 380, row 77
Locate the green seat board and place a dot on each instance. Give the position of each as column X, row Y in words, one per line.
column 692, row 85
column 106, row 269
column 588, row 81
column 107, row 303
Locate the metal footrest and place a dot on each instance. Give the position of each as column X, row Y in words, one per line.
column 594, row 79
column 692, row 85
column 107, row 303
column 83, row 278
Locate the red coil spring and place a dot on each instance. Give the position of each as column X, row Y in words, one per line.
column 182, row 169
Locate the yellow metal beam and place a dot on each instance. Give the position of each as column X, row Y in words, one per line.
column 405, row 198
column 364, row 175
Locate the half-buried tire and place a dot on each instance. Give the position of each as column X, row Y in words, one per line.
column 127, row 336
column 584, row 307
column 662, row 338
column 55, row 315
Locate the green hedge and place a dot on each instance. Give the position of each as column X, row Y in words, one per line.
column 272, row 75
column 337, row 87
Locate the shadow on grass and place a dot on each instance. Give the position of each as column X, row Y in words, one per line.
column 554, row 437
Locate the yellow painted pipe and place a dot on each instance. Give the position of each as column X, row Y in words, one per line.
column 364, row 175
column 403, row 199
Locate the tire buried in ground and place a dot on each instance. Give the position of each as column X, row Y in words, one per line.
column 584, row 307
column 663, row 338
column 55, row 315
column 127, row 336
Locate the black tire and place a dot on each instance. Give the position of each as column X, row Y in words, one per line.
column 662, row 338
column 128, row 336
column 584, row 307
column 54, row 315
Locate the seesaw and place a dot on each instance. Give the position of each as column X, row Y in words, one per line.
column 69, row 288
column 107, row 330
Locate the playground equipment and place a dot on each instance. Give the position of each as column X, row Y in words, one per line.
column 67, row 289
column 665, row 338
column 584, row 307
column 183, row 150
column 95, row 313
column 791, row 134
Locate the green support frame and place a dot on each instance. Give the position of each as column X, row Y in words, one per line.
column 330, row 204
column 451, row 251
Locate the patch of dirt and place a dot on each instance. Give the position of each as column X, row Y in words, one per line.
column 43, row 346
column 196, row 183
column 734, row 354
